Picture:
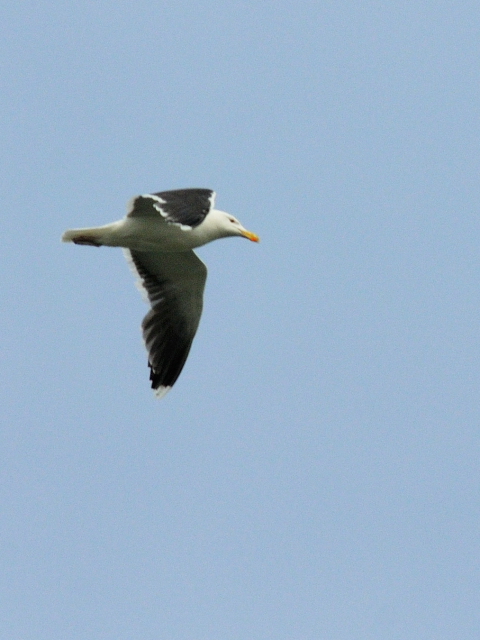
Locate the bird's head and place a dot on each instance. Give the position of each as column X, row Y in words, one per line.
column 228, row 225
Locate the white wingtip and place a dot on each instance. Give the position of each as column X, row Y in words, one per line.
column 161, row 392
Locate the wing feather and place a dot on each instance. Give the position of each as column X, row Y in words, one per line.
column 174, row 285
column 184, row 207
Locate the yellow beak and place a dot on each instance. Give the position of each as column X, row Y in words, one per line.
column 251, row 236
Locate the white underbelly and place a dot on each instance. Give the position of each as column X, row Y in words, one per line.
column 147, row 234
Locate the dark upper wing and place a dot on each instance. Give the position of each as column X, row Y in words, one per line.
column 186, row 207
column 174, row 284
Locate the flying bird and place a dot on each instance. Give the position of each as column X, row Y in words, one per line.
column 158, row 236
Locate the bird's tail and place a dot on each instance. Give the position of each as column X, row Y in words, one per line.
column 94, row 236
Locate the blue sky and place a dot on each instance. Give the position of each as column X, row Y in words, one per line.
column 314, row 473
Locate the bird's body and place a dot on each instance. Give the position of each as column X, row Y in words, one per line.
column 158, row 235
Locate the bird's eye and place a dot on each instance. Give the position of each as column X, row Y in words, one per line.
column 232, row 220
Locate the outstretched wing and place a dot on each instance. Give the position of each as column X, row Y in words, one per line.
column 174, row 284
column 184, row 207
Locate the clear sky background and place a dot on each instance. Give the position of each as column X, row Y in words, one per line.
column 314, row 474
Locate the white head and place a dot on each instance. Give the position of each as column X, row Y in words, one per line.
column 227, row 225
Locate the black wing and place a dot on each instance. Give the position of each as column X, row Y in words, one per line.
column 186, row 207
column 174, row 284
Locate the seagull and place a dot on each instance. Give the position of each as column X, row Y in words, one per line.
column 158, row 236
